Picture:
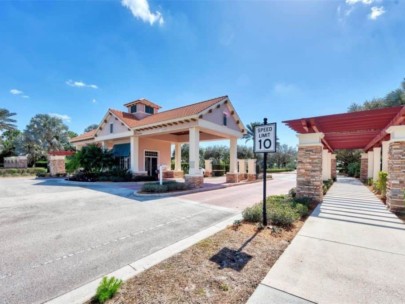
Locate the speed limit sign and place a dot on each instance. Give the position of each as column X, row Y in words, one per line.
column 265, row 138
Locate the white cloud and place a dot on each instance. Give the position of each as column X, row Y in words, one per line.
column 376, row 12
column 352, row 2
column 80, row 84
column 16, row 92
column 284, row 89
column 140, row 9
column 94, row 101
column 64, row 117
column 25, row 96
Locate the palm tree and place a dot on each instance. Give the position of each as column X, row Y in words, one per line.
column 6, row 123
column 250, row 130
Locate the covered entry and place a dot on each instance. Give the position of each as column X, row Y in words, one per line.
column 379, row 133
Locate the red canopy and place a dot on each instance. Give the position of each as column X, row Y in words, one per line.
column 61, row 153
column 355, row 130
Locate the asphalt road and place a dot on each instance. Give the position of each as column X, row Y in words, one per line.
column 56, row 237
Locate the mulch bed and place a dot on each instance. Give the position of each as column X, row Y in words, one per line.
column 225, row 268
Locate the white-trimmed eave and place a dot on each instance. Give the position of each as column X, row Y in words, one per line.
column 103, row 122
column 166, row 122
column 231, row 108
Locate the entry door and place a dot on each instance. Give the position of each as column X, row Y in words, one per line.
column 151, row 163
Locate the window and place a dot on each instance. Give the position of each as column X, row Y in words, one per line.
column 133, row 109
column 111, row 128
column 225, row 120
column 148, row 110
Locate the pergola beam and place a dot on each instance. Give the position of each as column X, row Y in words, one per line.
column 399, row 118
column 315, row 128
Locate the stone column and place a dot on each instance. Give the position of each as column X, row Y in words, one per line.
column 56, row 164
column 333, row 166
column 242, row 169
column 370, row 165
column 232, row 175
column 194, row 178
column 364, row 167
column 208, row 167
column 384, row 160
column 396, row 169
column 309, row 166
column 251, row 170
column 134, row 150
column 326, row 165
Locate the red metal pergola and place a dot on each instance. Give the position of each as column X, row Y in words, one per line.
column 356, row 130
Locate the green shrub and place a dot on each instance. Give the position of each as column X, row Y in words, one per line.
column 283, row 215
column 353, row 169
column 253, row 214
column 293, row 192
column 381, row 183
column 166, row 187
column 369, row 181
column 278, row 170
column 22, row 171
column 107, row 289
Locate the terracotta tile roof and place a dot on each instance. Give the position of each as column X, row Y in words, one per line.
column 84, row 136
column 144, row 101
column 177, row 113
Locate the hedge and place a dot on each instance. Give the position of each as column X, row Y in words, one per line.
column 22, row 172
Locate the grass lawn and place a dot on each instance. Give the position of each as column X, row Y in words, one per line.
column 225, row 268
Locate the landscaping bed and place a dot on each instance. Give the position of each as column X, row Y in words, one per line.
column 15, row 172
column 167, row 186
column 213, row 270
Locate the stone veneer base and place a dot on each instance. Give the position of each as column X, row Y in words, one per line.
column 173, row 174
column 194, row 181
column 364, row 169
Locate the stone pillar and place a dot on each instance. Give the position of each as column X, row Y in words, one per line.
column 377, row 162
column 396, row 169
column 134, row 150
column 177, row 157
column 309, row 166
column 384, row 160
column 370, row 165
column 194, row 179
column 364, row 167
column 333, row 166
column 251, row 170
column 56, row 164
column 326, row 165
column 232, row 175
column 208, row 167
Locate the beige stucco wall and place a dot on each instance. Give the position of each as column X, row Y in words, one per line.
column 216, row 116
column 119, row 127
column 164, row 149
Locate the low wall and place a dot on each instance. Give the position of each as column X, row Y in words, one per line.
column 16, row 162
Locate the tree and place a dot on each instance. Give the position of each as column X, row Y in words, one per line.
column 348, row 160
column 72, row 134
column 93, row 159
column 6, row 122
column 250, row 130
column 90, row 128
column 43, row 134
column 392, row 99
column 7, row 140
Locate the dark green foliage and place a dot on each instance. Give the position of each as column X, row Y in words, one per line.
column 167, row 186
column 348, row 161
column 22, row 172
column 353, row 169
column 278, row 170
column 107, row 289
column 282, row 210
column 392, row 99
column 93, row 159
column 6, row 122
column 293, row 192
column 326, row 185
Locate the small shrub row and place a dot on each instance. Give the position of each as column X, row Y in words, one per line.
column 115, row 175
column 282, row 210
column 167, row 186
column 278, row 170
column 380, row 185
column 107, row 288
column 22, row 171
column 326, row 185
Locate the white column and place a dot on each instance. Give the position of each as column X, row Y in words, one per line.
column 103, row 145
column 377, row 162
column 242, row 165
column 177, row 157
column 252, row 166
column 325, row 166
column 208, row 165
column 385, row 147
column 194, row 153
column 370, row 167
column 134, row 143
column 233, row 155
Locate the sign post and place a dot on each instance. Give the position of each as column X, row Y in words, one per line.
column 265, row 142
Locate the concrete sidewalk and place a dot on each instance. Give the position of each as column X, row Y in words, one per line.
column 350, row 250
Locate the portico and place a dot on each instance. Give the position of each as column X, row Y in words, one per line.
column 146, row 139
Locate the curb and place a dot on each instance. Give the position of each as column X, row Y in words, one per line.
column 176, row 193
column 87, row 291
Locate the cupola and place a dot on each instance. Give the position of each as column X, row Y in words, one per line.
column 141, row 108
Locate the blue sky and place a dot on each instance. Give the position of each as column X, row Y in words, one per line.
column 275, row 59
